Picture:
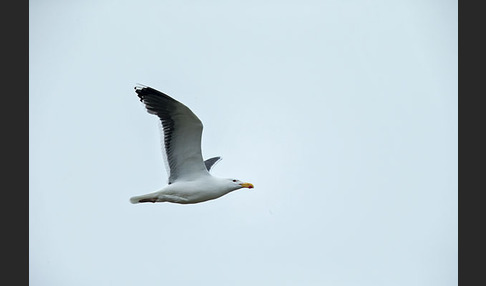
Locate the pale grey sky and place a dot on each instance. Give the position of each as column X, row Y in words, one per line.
column 343, row 114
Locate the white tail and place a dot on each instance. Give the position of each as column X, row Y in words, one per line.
column 148, row 198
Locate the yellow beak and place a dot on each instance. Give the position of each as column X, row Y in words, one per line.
column 247, row 185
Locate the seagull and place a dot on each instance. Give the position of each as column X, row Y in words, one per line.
column 189, row 179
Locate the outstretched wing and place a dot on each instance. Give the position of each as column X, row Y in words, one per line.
column 182, row 132
column 211, row 162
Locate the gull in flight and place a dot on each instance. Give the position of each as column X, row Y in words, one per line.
column 189, row 179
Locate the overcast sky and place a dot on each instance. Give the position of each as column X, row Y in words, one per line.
column 343, row 114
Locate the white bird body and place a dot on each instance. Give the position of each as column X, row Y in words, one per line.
column 189, row 178
column 190, row 192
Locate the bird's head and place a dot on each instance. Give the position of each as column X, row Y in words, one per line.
column 237, row 184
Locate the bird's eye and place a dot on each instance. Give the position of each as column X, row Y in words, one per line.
column 234, row 181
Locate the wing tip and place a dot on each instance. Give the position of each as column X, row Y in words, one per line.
column 141, row 90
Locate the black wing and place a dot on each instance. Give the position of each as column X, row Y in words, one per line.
column 182, row 132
